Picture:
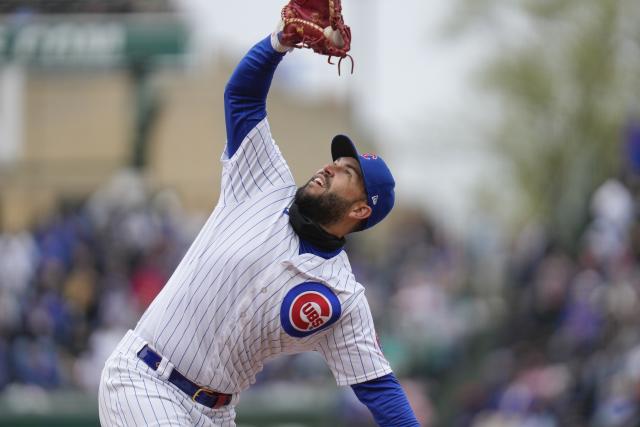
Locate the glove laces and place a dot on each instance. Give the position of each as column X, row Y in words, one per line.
column 340, row 62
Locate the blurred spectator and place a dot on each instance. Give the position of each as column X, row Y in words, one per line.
column 35, row 361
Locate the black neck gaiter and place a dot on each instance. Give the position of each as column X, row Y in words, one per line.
column 312, row 232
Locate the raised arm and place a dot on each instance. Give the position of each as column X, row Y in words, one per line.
column 245, row 95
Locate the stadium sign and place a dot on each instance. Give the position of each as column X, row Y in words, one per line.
column 91, row 40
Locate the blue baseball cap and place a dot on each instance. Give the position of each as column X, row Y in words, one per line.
column 378, row 181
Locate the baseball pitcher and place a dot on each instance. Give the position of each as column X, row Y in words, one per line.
column 267, row 274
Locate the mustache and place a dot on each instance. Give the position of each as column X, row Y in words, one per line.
column 325, row 178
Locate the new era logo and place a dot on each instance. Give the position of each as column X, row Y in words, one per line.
column 374, row 199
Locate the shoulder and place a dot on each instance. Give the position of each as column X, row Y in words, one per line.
column 324, row 290
column 334, row 272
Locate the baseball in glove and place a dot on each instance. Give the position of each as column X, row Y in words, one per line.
column 317, row 25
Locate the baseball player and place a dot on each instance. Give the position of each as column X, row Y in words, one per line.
column 266, row 275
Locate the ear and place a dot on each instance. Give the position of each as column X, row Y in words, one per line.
column 360, row 211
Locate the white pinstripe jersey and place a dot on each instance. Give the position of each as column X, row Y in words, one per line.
column 236, row 297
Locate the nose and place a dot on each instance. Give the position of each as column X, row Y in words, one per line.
column 329, row 169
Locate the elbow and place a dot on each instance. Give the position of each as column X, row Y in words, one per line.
column 228, row 93
column 235, row 94
column 232, row 99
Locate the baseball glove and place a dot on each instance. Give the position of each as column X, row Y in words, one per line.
column 317, row 25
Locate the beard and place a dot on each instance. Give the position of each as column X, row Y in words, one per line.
column 325, row 209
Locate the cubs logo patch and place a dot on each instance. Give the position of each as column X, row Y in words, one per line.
column 308, row 308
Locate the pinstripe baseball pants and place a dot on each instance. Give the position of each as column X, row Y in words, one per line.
column 132, row 394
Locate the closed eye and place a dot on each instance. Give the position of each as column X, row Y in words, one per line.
column 346, row 167
column 352, row 171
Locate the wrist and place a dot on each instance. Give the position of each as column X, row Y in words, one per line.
column 277, row 45
column 276, row 39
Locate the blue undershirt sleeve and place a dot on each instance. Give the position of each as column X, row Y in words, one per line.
column 245, row 95
column 387, row 402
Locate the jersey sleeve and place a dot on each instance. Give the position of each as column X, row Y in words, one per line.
column 351, row 348
column 257, row 166
column 245, row 96
column 387, row 402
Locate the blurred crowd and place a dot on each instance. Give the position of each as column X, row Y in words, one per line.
column 568, row 353
column 72, row 285
column 546, row 337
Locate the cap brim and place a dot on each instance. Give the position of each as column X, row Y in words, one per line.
column 342, row 146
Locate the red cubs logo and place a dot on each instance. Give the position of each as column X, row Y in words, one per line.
column 310, row 310
column 369, row 156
